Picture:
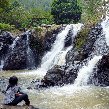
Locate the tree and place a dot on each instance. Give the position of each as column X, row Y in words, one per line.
column 3, row 5
column 92, row 10
column 65, row 11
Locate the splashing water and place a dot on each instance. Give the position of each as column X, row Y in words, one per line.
column 61, row 57
column 30, row 56
column 56, row 56
column 85, row 72
column 105, row 26
column 48, row 59
column 2, row 64
column 14, row 43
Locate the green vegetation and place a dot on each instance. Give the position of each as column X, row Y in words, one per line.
column 92, row 11
column 23, row 14
column 81, row 37
column 3, row 5
column 66, row 11
column 33, row 13
column 4, row 26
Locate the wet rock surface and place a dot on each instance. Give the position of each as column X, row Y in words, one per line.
column 75, row 59
column 6, row 40
column 24, row 52
column 17, row 107
column 50, row 38
column 100, row 77
column 57, row 76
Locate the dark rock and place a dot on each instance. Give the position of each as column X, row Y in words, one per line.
column 68, row 40
column 53, row 77
column 16, row 107
column 57, row 76
column 37, row 48
column 50, row 38
column 25, row 54
column 6, row 40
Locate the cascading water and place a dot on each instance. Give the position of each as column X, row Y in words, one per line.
column 1, row 64
column 61, row 57
column 101, row 48
column 53, row 57
column 30, row 56
column 85, row 72
column 105, row 26
column 48, row 60
column 11, row 47
column 14, row 43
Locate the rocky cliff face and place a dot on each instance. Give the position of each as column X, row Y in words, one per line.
column 26, row 50
column 94, row 44
column 17, row 55
column 6, row 40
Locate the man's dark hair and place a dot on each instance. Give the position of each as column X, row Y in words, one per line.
column 13, row 81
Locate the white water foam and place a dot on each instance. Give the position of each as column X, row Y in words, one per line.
column 48, row 60
column 61, row 60
column 14, row 43
column 85, row 72
column 105, row 26
column 2, row 64
column 56, row 56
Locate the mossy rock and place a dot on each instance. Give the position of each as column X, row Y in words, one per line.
column 82, row 36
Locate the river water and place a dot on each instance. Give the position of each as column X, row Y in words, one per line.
column 77, row 96
column 66, row 97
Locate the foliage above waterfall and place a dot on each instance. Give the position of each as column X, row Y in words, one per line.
column 3, row 5
column 33, row 13
column 92, row 10
column 28, row 4
column 15, row 12
column 65, row 11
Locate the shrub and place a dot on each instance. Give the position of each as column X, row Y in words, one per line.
column 7, row 27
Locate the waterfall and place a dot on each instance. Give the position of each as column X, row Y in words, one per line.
column 12, row 46
column 101, row 48
column 48, row 60
column 105, row 26
column 56, row 56
column 61, row 57
column 14, row 43
column 1, row 64
column 85, row 72
column 30, row 56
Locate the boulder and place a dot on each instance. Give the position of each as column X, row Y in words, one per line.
column 53, row 77
column 16, row 107
column 57, row 76
column 50, row 38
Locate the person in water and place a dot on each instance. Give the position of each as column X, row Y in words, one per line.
column 13, row 94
